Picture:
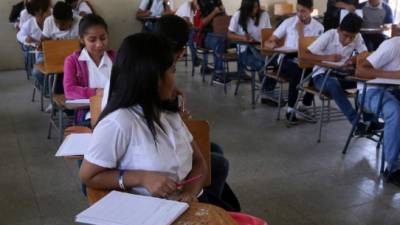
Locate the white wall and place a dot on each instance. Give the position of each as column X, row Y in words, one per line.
column 119, row 14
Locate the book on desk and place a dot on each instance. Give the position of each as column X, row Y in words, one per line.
column 118, row 208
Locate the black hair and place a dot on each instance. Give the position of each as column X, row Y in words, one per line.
column 141, row 63
column 246, row 10
column 91, row 20
column 62, row 11
column 175, row 29
column 69, row 2
column 306, row 3
column 351, row 23
column 39, row 5
column 29, row 9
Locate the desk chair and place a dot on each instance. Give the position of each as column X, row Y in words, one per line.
column 376, row 136
column 55, row 52
column 395, row 30
column 331, row 113
column 202, row 53
column 220, row 26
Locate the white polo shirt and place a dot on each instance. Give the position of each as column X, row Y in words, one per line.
column 82, row 7
column 122, row 140
column 185, row 11
column 157, row 8
column 386, row 57
column 24, row 16
column 50, row 29
column 253, row 29
column 329, row 44
column 288, row 30
column 98, row 75
column 30, row 28
column 106, row 93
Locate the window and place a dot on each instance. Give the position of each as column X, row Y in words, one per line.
column 395, row 5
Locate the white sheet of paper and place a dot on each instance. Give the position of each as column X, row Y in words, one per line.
column 119, row 208
column 384, row 81
column 340, row 63
column 344, row 12
column 74, row 144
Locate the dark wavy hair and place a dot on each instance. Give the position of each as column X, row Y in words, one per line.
column 141, row 63
column 246, row 10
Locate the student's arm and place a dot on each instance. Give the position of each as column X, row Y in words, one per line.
column 168, row 7
column 142, row 11
column 278, row 35
column 315, row 51
column 199, row 167
column 236, row 37
column 206, row 20
column 368, row 71
column 342, row 5
column 72, row 88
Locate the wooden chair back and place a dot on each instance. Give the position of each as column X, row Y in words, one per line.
column 220, row 25
column 283, row 9
column 55, row 51
column 304, row 42
column 395, row 30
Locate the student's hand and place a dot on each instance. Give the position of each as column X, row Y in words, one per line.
column 270, row 45
column 334, row 58
column 29, row 39
column 248, row 38
column 217, row 10
column 351, row 8
column 300, row 28
column 186, row 196
column 99, row 91
column 159, row 184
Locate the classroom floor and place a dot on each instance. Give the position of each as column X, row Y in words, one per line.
column 280, row 174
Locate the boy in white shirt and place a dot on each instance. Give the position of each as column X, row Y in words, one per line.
column 62, row 24
column 80, row 7
column 153, row 8
column 300, row 25
column 187, row 10
column 385, row 63
column 337, row 45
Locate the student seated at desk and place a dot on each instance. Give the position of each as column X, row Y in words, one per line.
column 245, row 26
column 333, row 8
column 300, row 25
column 153, row 8
column 187, row 10
column 337, row 45
column 86, row 72
column 80, row 7
column 62, row 24
column 137, row 145
column 385, row 63
column 377, row 14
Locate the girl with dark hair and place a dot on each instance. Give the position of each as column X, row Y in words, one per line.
column 87, row 71
column 245, row 26
column 137, row 145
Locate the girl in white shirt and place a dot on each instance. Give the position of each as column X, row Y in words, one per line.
column 137, row 145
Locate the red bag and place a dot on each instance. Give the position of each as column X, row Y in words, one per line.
column 199, row 35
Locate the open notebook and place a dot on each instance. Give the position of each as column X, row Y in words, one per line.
column 118, row 208
column 74, row 144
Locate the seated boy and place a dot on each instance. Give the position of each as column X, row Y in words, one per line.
column 62, row 24
column 300, row 25
column 377, row 14
column 385, row 63
column 337, row 45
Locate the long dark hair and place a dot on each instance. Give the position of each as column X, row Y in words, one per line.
column 141, row 63
column 246, row 10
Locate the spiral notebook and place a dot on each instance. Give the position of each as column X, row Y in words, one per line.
column 118, row 208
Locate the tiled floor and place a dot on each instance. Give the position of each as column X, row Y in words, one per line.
column 280, row 174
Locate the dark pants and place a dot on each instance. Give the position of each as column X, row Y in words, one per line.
column 293, row 72
column 372, row 41
column 219, row 170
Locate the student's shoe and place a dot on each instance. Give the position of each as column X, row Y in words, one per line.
column 269, row 98
column 291, row 118
column 206, row 70
column 49, row 108
column 393, row 177
column 374, row 127
column 219, row 79
column 197, row 62
column 361, row 129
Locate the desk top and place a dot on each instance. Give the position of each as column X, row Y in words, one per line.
column 280, row 50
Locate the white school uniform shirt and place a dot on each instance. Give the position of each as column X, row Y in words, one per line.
column 329, row 44
column 50, row 29
column 30, row 28
column 106, row 93
column 122, row 140
column 82, row 7
column 186, row 11
column 156, row 8
column 98, row 75
column 386, row 57
column 24, row 16
column 252, row 29
column 288, row 30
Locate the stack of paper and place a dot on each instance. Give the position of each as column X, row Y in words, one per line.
column 119, row 208
column 74, row 144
